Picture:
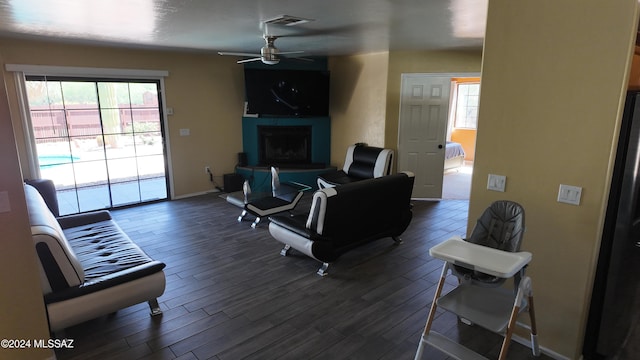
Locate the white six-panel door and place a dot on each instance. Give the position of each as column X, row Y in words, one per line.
column 424, row 108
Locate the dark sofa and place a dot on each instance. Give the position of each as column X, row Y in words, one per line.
column 344, row 217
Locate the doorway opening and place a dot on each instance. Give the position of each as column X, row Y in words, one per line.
column 461, row 137
column 101, row 141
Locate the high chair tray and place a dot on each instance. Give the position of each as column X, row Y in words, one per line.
column 480, row 258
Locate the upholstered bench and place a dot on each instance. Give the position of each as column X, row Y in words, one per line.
column 88, row 266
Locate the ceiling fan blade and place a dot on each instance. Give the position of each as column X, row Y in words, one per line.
column 300, row 58
column 237, row 53
column 249, row 60
column 290, row 52
column 303, row 59
column 294, row 57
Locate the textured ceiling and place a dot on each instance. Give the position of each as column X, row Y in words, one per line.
column 338, row 27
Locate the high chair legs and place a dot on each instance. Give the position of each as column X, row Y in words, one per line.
column 432, row 312
column 534, row 329
column 494, row 309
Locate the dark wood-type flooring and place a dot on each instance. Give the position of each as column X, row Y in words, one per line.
column 230, row 295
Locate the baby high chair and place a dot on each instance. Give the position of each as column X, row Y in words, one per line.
column 482, row 263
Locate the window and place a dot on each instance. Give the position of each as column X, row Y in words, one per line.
column 467, row 97
column 99, row 140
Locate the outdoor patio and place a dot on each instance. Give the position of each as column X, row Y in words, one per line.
column 96, row 197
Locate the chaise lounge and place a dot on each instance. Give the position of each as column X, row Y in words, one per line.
column 88, row 266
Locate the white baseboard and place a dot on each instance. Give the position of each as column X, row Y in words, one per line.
column 550, row 353
column 185, row 196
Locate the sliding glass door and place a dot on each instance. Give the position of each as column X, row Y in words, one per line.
column 100, row 141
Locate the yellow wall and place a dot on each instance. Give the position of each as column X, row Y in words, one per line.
column 553, row 81
column 206, row 92
column 466, row 138
column 22, row 314
column 358, row 102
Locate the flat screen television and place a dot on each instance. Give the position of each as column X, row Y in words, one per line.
column 287, row 93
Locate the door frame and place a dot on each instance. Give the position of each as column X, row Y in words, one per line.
column 400, row 107
column 22, row 70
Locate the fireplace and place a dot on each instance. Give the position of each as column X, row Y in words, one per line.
column 284, row 146
column 314, row 134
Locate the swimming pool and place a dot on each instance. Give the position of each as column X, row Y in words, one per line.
column 53, row 160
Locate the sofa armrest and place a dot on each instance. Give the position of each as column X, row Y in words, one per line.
column 47, row 190
column 106, row 281
column 294, row 224
column 293, row 232
column 76, row 220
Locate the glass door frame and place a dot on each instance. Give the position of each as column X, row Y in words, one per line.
column 94, row 74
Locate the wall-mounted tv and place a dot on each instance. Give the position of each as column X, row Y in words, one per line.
column 287, row 93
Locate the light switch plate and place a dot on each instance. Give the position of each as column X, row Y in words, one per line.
column 496, row 182
column 569, row 194
column 185, row 132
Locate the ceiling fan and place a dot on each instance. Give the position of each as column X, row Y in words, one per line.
column 269, row 54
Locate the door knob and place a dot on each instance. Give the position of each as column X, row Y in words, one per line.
column 440, row 146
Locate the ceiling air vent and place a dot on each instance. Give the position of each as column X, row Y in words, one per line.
column 287, row 20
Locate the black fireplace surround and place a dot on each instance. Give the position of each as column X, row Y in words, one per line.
column 284, row 146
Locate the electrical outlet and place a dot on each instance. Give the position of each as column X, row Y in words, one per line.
column 207, row 170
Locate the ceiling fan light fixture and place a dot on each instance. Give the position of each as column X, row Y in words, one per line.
column 269, row 55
